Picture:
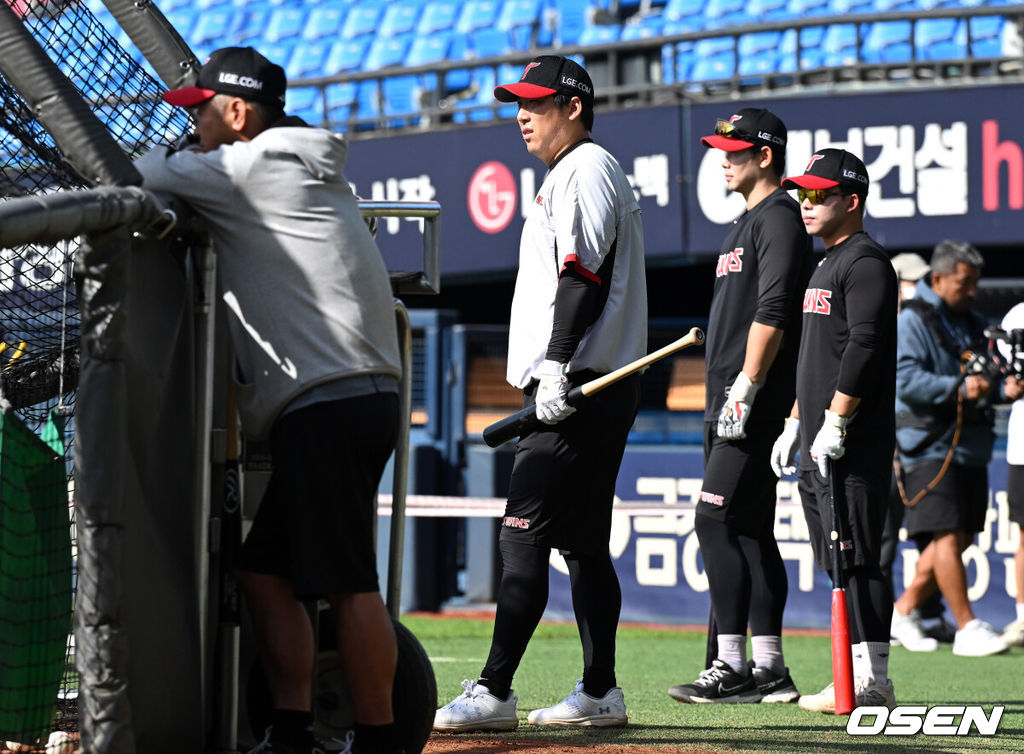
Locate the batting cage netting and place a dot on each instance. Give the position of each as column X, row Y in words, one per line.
column 39, row 351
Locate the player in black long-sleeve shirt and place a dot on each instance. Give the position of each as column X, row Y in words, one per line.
column 753, row 334
column 846, row 387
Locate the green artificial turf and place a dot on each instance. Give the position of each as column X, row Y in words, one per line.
column 652, row 659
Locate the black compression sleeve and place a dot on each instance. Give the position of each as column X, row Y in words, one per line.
column 870, row 310
column 782, row 246
column 576, row 301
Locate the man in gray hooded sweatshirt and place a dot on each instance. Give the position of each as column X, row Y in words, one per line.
column 316, row 361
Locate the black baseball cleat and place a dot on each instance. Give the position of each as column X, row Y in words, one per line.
column 772, row 686
column 719, row 684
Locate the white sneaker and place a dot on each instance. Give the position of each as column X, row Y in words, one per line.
column 582, row 709
column 978, row 639
column 1013, row 634
column 906, row 630
column 867, row 693
column 477, row 709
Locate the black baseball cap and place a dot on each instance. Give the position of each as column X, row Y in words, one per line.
column 749, row 127
column 546, row 75
column 832, row 167
column 238, row 71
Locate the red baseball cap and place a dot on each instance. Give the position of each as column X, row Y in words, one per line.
column 546, row 75
column 832, row 167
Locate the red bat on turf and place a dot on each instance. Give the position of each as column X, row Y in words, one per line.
column 842, row 653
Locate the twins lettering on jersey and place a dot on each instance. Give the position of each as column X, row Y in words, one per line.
column 516, row 523
column 730, row 261
column 817, row 301
column 711, row 498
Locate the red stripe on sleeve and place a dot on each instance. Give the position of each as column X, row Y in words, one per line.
column 574, row 260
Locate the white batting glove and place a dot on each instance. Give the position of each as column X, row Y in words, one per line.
column 551, row 392
column 828, row 443
column 732, row 419
column 785, row 448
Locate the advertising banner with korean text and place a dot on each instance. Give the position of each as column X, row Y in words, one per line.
column 485, row 179
column 943, row 162
column 661, row 571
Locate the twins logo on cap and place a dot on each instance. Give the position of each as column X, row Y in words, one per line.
column 546, row 75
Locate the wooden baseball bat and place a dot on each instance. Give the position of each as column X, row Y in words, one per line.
column 842, row 650
column 515, row 424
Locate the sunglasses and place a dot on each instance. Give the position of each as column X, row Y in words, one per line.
column 730, row 131
column 816, row 196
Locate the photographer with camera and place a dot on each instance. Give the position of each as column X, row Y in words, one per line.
column 944, row 431
column 1011, row 347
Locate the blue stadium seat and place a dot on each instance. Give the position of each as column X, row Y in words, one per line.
column 401, row 99
column 489, row 42
column 691, row 11
column 713, row 59
column 325, row 20
column 278, row 52
column 644, row 27
column 676, row 62
column 940, row 39
column 811, row 55
column 346, row 55
column 802, row 8
column 309, row 60
column 437, row 15
column 460, row 79
column 400, row 18
column 387, row 51
column 758, row 53
column 341, row 101
column 284, row 23
column 212, row 27
column 599, row 34
column 369, row 99
column 839, row 46
column 429, row 49
column 307, row 103
column 769, row 10
column 362, row 18
column 183, row 19
column 887, row 42
column 476, row 14
column 521, row 19
column 850, row 7
column 986, row 36
column 572, row 17
column 895, row 6
column 721, row 13
column 252, row 23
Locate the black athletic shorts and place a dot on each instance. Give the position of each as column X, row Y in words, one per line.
column 563, row 476
column 314, row 526
column 1015, row 492
column 861, row 502
column 739, row 484
column 959, row 500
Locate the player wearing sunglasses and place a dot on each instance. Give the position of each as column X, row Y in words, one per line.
column 753, row 333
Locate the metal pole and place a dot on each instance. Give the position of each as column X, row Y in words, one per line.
column 205, row 264
column 397, row 538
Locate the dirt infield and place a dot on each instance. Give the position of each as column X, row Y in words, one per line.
column 443, row 744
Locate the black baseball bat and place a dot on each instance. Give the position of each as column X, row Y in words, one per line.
column 516, row 424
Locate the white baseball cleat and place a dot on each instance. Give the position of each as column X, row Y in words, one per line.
column 906, row 630
column 1013, row 634
column 867, row 693
column 978, row 639
column 581, row 709
column 477, row 709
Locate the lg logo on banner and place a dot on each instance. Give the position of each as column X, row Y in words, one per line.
column 936, row 721
column 492, row 197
